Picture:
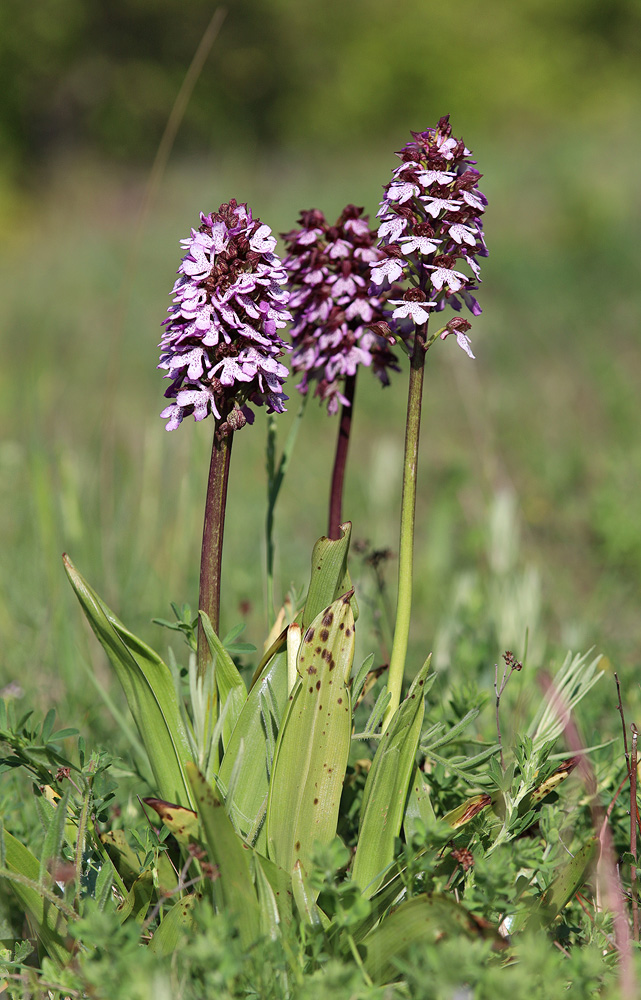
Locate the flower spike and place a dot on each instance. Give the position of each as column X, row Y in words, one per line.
column 220, row 346
column 431, row 218
column 331, row 303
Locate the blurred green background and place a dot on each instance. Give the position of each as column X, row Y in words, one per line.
column 529, row 514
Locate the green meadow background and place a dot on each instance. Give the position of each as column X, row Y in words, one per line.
column 528, row 513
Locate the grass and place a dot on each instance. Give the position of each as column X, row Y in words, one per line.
column 546, row 415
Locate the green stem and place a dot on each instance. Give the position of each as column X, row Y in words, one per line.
column 408, row 511
column 340, row 459
column 275, row 477
column 212, row 548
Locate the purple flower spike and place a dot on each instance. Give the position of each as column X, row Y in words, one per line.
column 430, row 218
column 333, row 310
column 220, row 346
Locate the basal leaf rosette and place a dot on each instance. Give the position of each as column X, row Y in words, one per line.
column 220, row 347
column 431, row 226
column 332, row 303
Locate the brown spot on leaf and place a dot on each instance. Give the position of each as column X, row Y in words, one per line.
column 342, row 626
column 309, row 635
column 318, row 685
column 332, row 663
column 297, row 845
column 315, row 802
column 328, row 618
column 348, row 631
column 311, row 670
column 324, row 635
column 311, row 690
column 340, row 701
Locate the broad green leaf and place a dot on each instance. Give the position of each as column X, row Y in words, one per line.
column 281, row 885
column 249, row 754
column 566, row 884
column 122, row 856
column 313, row 744
column 176, row 923
column 419, row 805
column 462, row 814
column 423, row 919
column 47, row 913
column 329, row 576
column 550, row 784
column 54, row 836
column 227, row 851
column 136, row 902
column 232, row 692
column 149, row 689
column 183, row 823
column 361, row 676
column 267, row 903
column 386, row 788
column 305, row 898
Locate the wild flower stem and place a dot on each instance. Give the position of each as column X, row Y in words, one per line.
column 275, row 478
column 340, row 460
column 408, row 513
column 212, row 548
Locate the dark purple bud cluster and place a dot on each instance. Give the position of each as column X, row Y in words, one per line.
column 220, row 346
column 331, row 303
column 430, row 219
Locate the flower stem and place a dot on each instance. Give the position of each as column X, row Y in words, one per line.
column 212, row 547
column 340, row 460
column 408, row 511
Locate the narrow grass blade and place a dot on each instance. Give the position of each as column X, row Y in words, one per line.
column 249, row 753
column 313, row 745
column 386, row 788
column 149, row 689
column 54, row 836
column 231, row 856
column 43, row 908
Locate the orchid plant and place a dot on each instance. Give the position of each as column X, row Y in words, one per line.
column 250, row 783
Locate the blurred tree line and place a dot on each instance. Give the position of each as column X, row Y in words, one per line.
column 103, row 74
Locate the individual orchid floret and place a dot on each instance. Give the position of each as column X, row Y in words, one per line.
column 332, row 304
column 430, row 219
column 220, row 346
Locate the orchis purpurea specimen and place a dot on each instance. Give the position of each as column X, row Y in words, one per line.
column 221, row 348
column 333, row 308
column 430, row 221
